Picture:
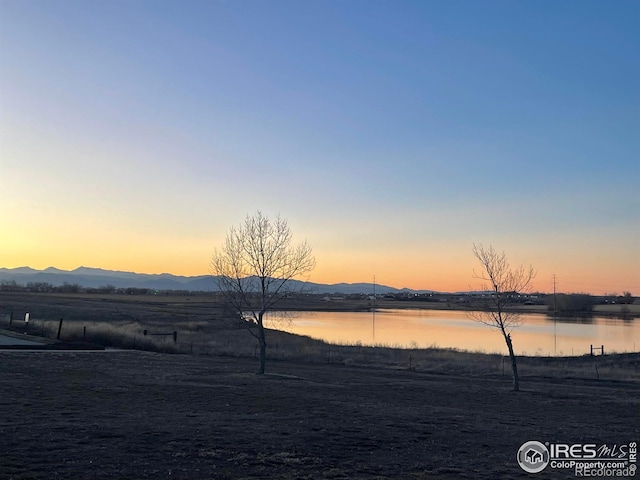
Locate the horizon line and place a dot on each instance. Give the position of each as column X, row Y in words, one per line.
column 317, row 283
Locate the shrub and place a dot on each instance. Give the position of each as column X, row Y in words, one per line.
column 573, row 303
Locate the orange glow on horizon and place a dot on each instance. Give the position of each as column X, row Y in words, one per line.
column 440, row 270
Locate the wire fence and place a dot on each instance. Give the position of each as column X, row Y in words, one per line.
column 198, row 338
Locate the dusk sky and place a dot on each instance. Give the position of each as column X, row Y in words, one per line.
column 392, row 135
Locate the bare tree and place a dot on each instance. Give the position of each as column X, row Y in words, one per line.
column 254, row 268
column 505, row 283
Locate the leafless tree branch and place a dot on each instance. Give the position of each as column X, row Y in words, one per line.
column 501, row 284
column 254, row 268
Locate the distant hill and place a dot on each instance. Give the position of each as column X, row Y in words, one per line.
column 96, row 277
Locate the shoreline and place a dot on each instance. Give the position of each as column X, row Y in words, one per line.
column 308, row 303
column 205, row 328
column 608, row 311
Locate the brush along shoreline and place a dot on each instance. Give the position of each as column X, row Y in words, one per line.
column 195, row 409
column 204, row 327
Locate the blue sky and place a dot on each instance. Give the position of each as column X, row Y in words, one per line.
column 391, row 135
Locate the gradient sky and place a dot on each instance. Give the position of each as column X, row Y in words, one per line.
column 391, row 134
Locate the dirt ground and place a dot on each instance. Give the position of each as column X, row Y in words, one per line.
column 142, row 415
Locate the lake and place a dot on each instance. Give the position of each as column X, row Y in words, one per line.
column 538, row 334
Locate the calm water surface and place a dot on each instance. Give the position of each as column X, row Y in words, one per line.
column 538, row 334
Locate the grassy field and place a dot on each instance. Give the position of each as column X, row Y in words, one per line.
column 144, row 415
column 204, row 327
column 194, row 409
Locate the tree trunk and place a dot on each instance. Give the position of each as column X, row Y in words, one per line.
column 263, row 357
column 263, row 347
column 512, row 356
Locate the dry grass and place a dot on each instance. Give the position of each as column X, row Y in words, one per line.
column 203, row 328
column 632, row 310
column 139, row 415
column 201, row 338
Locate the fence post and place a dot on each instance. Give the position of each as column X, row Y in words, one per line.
column 59, row 329
column 601, row 348
column 84, row 333
column 175, row 337
column 10, row 318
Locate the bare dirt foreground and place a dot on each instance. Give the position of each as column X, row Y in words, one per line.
column 139, row 415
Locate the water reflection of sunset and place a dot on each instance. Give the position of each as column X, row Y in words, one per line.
column 436, row 328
